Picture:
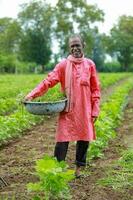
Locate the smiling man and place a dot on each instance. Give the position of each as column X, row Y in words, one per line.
column 76, row 46
column 80, row 83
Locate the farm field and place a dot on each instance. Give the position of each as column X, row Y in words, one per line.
column 13, row 117
column 24, row 138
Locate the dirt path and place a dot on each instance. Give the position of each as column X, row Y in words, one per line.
column 109, row 90
column 17, row 161
column 127, row 125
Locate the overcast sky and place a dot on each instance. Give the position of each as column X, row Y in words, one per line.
column 112, row 8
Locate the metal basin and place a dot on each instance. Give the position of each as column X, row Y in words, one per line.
column 44, row 108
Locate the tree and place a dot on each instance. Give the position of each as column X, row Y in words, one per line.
column 75, row 16
column 98, row 51
column 10, row 31
column 121, row 41
column 36, row 20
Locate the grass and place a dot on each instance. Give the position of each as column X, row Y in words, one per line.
column 120, row 175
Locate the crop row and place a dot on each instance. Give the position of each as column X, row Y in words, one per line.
column 11, row 125
column 14, row 88
column 110, row 115
column 12, row 85
column 107, row 79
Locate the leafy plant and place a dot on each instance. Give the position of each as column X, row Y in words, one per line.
column 53, row 179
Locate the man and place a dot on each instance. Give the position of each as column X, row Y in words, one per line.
column 79, row 81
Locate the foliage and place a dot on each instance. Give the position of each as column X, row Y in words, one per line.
column 110, row 115
column 30, row 37
column 121, row 41
column 10, row 31
column 26, row 67
column 8, row 63
column 98, row 52
column 13, row 118
column 112, row 78
column 121, row 176
column 54, row 94
column 36, row 20
column 7, row 107
column 76, row 16
column 113, row 66
column 53, row 179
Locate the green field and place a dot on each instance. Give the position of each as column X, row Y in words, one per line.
column 15, row 121
column 13, row 117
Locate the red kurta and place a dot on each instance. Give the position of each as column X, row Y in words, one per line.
column 77, row 124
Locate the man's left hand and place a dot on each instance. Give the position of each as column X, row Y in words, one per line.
column 94, row 119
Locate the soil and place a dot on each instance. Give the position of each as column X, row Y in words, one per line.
column 17, row 161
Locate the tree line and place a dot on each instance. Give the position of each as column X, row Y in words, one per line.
column 26, row 43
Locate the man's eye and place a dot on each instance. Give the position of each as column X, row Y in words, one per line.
column 72, row 46
column 76, row 45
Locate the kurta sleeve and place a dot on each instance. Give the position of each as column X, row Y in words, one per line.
column 52, row 79
column 95, row 91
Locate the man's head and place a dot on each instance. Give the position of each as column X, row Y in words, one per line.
column 76, row 45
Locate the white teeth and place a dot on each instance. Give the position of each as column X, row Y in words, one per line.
column 76, row 51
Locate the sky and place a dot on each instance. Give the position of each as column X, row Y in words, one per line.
column 112, row 9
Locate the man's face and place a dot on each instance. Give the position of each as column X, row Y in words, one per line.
column 76, row 47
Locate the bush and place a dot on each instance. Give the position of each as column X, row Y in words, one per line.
column 10, row 64
column 112, row 67
column 7, row 63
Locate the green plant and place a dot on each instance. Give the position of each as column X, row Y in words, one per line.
column 111, row 113
column 53, row 179
column 121, row 175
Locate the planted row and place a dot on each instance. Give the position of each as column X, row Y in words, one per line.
column 12, row 85
column 110, row 116
column 107, row 79
column 13, row 124
column 14, row 88
column 121, row 174
column 111, row 113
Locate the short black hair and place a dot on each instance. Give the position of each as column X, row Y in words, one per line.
column 77, row 36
